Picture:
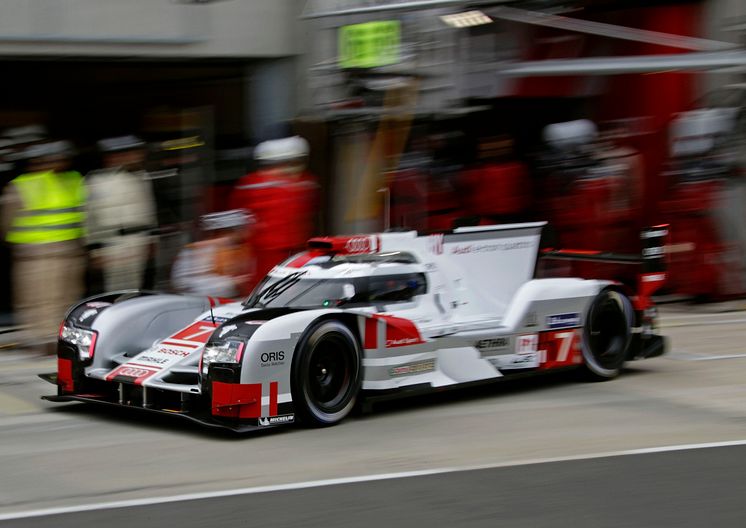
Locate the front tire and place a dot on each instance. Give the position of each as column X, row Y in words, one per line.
column 326, row 374
column 607, row 335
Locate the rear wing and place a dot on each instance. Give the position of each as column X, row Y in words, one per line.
column 652, row 259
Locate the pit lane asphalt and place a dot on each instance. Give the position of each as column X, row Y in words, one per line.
column 63, row 455
column 661, row 489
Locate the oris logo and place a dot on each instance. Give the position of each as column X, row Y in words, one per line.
column 359, row 245
column 272, row 358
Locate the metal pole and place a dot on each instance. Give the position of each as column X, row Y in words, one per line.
column 386, row 207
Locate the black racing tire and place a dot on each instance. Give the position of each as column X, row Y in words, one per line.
column 326, row 374
column 607, row 335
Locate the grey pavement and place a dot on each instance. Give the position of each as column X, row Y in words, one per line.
column 63, row 455
column 683, row 489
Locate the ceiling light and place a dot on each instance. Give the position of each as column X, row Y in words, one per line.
column 466, row 19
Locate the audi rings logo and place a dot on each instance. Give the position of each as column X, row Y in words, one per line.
column 133, row 372
column 359, row 245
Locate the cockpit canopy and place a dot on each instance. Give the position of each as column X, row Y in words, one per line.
column 320, row 278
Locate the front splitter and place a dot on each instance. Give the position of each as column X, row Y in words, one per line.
column 201, row 420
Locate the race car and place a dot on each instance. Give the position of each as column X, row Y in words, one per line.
column 355, row 318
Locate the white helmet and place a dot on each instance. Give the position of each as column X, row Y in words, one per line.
column 570, row 134
column 281, row 149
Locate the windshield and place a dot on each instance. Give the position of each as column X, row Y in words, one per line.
column 295, row 291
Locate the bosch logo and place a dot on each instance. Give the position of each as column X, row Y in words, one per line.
column 358, row 245
column 173, row 352
column 272, row 358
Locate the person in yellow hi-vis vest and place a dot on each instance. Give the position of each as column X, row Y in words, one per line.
column 43, row 220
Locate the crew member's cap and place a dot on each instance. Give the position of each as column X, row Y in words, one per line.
column 281, row 149
column 226, row 219
column 119, row 143
column 570, row 134
column 50, row 148
column 28, row 130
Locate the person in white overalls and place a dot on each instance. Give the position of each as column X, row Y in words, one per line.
column 121, row 213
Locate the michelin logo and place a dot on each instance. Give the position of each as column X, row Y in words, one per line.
column 276, row 420
column 565, row 320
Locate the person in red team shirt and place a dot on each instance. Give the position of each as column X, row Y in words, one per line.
column 282, row 195
column 497, row 187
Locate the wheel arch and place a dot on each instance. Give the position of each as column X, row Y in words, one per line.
column 594, row 370
column 348, row 321
column 628, row 292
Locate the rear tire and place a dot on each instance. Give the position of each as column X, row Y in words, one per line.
column 607, row 335
column 326, row 374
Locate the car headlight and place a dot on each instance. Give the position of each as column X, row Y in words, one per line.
column 225, row 352
column 84, row 340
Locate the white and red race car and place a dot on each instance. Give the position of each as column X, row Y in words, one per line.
column 359, row 317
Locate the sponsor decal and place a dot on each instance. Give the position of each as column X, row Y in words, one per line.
column 652, row 252
column 435, row 243
column 276, row 420
column 137, row 373
column 360, row 245
column 154, row 360
column 565, row 320
column 198, row 332
column 560, row 349
column 402, row 341
column 219, row 320
column 174, row 352
column 133, row 372
column 654, row 234
column 271, row 359
column 417, row 367
column 526, row 356
column 525, row 361
column 515, row 361
column 399, row 331
column 160, row 357
column 167, row 353
column 527, row 343
column 654, row 277
column 495, row 343
column 531, row 319
column 488, row 248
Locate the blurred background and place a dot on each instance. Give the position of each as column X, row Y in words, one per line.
column 128, row 125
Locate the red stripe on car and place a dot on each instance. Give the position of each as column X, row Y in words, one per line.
column 65, row 375
column 198, row 332
column 561, row 348
column 273, row 398
column 303, row 259
column 400, row 332
column 236, row 400
column 371, row 334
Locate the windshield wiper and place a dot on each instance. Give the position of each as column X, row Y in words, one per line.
column 272, row 291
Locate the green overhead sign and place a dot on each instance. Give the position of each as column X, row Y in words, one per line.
column 370, row 44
